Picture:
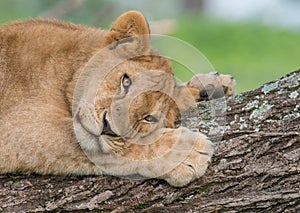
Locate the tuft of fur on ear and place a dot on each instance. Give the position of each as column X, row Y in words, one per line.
column 129, row 34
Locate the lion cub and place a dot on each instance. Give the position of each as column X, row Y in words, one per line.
column 79, row 100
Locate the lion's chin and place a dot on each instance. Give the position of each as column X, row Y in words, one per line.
column 111, row 144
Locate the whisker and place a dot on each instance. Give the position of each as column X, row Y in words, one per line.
column 203, row 153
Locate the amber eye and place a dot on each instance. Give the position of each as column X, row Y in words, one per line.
column 126, row 81
column 151, row 119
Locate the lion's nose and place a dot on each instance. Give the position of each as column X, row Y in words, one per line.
column 107, row 129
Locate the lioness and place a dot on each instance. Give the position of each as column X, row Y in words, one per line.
column 79, row 100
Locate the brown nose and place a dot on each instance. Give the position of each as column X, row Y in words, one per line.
column 107, row 129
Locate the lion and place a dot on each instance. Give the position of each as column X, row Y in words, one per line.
column 81, row 100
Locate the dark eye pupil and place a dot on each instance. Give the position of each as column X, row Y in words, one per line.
column 126, row 82
column 151, row 119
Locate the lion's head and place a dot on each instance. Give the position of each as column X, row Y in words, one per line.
column 127, row 90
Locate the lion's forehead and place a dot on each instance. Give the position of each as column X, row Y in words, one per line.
column 145, row 76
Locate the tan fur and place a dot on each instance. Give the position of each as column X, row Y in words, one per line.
column 42, row 64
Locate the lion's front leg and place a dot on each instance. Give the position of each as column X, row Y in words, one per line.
column 178, row 156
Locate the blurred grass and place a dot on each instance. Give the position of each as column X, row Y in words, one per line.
column 252, row 53
column 13, row 10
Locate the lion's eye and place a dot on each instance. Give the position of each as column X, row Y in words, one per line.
column 126, row 81
column 151, row 119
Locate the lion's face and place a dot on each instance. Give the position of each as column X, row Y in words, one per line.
column 135, row 94
column 138, row 98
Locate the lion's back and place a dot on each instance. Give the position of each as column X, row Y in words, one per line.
column 38, row 56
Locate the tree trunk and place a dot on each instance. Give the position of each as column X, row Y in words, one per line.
column 255, row 167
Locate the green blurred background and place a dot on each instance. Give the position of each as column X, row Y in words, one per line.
column 254, row 46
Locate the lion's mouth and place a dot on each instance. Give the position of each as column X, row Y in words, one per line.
column 107, row 129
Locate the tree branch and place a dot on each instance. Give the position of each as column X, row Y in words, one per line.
column 256, row 166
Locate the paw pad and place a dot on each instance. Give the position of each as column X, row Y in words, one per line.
column 212, row 85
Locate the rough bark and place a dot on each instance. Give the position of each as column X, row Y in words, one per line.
column 256, row 167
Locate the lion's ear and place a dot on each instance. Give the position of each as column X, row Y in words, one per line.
column 129, row 33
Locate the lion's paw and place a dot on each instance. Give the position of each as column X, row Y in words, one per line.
column 211, row 86
column 196, row 163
